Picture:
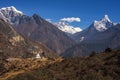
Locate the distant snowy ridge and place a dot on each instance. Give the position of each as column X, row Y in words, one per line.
column 65, row 27
column 13, row 16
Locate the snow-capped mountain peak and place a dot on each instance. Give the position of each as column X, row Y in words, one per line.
column 65, row 27
column 11, row 8
column 103, row 24
column 10, row 14
column 106, row 19
column 99, row 26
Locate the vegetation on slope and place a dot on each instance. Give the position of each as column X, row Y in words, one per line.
column 14, row 66
column 102, row 66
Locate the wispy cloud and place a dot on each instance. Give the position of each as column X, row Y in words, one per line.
column 71, row 19
column 49, row 20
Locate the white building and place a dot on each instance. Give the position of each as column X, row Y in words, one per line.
column 38, row 56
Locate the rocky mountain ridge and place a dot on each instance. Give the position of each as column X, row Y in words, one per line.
column 37, row 29
column 97, row 37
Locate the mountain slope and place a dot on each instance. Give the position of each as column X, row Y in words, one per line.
column 40, row 30
column 95, row 28
column 102, row 66
column 95, row 38
column 103, row 32
column 13, row 44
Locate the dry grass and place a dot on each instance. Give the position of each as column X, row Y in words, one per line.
column 103, row 66
column 16, row 66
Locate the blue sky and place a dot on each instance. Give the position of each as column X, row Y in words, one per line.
column 86, row 10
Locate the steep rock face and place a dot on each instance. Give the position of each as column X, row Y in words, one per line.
column 39, row 29
column 13, row 44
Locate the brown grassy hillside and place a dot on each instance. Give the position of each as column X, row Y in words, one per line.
column 102, row 66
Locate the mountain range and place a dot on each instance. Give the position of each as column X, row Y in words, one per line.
column 13, row 44
column 32, row 48
column 95, row 28
column 37, row 29
column 97, row 37
column 63, row 38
